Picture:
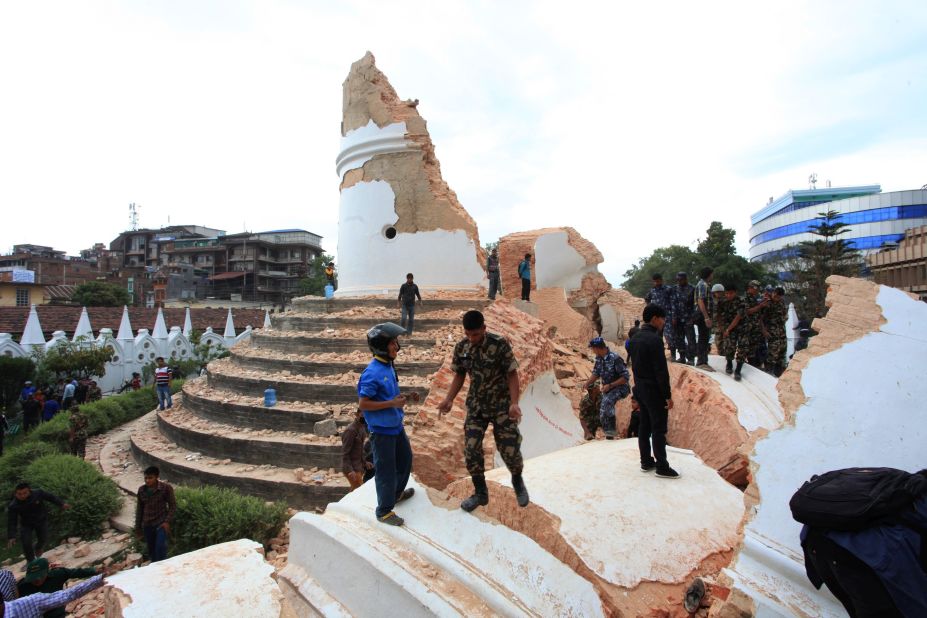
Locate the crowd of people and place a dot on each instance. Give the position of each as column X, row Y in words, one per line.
column 746, row 329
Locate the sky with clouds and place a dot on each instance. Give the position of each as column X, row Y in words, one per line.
column 635, row 123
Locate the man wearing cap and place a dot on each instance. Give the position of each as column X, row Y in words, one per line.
column 703, row 310
column 40, row 578
column 729, row 309
column 382, row 404
column 491, row 399
column 610, row 369
column 754, row 308
column 774, row 317
column 36, row 605
column 663, row 297
column 683, row 324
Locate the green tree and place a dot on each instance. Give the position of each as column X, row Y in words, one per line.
column 806, row 267
column 718, row 242
column 76, row 360
column 666, row 261
column 100, row 294
column 13, row 372
column 314, row 284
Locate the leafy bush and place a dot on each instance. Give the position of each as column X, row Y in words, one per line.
column 13, row 372
column 209, row 515
column 93, row 497
column 14, row 462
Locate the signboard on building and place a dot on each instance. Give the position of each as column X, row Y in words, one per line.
column 21, row 275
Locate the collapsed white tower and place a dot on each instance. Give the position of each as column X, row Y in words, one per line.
column 397, row 214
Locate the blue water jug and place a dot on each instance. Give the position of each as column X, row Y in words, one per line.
column 329, row 291
column 270, row 398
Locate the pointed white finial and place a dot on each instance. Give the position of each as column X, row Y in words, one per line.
column 266, row 319
column 32, row 334
column 83, row 327
column 160, row 328
column 125, row 327
column 187, row 324
column 229, row 326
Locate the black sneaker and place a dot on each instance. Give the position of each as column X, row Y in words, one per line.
column 649, row 467
column 392, row 519
column 667, row 473
column 405, row 495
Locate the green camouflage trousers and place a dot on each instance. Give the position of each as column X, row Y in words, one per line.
column 504, row 430
column 776, row 346
column 727, row 346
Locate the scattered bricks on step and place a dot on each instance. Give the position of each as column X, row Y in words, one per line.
column 82, row 552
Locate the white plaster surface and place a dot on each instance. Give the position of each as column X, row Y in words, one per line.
column 83, row 328
column 865, row 407
column 125, row 326
column 229, row 326
column 372, row 566
column 229, row 579
column 557, row 264
column 160, row 326
column 755, row 395
column 188, row 323
column 601, row 497
column 32, row 333
column 370, row 263
column 362, row 144
column 548, row 422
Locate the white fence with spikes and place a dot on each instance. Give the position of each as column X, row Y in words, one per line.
column 130, row 352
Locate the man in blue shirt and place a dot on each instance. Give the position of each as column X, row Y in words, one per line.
column 524, row 273
column 379, row 399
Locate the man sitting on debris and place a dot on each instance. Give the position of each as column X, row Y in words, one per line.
column 379, row 398
column 589, row 410
column 492, row 398
column 352, row 450
column 652, row 390
column 614, row 375
column 38, row 604
column 154, row 513
column 41, row 578
column 27, row 512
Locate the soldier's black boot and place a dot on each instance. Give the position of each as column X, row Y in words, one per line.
column 729, row 368
column 480, row 495
column 521, row 492
column 740, row 365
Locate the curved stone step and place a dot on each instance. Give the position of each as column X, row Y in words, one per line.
column 277, row 448
column 295, row 391
column 330, row 305
column 297, row 344
column 289, row 323
column 317, row 368
column 252, row 416
column 272, row 484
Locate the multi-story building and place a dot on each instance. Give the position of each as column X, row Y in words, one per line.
column 265, row 266
column 874, row 218
column 903, row 266
column 50, row 266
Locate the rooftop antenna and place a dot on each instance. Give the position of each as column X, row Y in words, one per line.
column 133, row 216
column 812, row 181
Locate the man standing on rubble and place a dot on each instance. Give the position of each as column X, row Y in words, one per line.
column 652, row 391
column 614, row 375
column 492, row 398
column 664, row 297
column 492, row 271
column 382, row 404
column 408, row 292
column 775, row 316
column 683, row 325
column 703, row 310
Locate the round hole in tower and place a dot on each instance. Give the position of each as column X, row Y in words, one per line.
column 390, row 232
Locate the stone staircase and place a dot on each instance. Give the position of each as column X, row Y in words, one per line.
column 220, row 433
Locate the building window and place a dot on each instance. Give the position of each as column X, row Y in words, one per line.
column 22, row 297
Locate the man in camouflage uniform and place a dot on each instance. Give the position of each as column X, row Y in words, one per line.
column 615, row 377
column 77, row 436
column 664, row 297
column 589, row 410
column 751, row 323
column 775, row 316
column 492, row 398
column 683, row 324
column 728, row 314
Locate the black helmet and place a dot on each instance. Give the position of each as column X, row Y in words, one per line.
column 380, row 335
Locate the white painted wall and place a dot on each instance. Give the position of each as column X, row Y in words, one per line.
column 863, row 409
column 548, row 422
column 559, row 265
column 362, row 144
column 370, row 263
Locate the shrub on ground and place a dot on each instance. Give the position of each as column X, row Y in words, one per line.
column 14, row 462
column 93, row 497
column 209, row 515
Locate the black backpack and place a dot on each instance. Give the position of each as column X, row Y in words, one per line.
column 856, row 498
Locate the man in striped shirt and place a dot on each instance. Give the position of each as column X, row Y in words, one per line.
column 163, row 384
column 34, row 605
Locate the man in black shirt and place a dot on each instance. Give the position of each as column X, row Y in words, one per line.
column 652, row 391
column 28, row 513
column 408, row 292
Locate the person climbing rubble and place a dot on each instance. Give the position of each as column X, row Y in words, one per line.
column 610, row 369
column 492, row 398
column 380, row 400
column 652, row 391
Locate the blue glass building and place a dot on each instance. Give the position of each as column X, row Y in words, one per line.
column 874, row 218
